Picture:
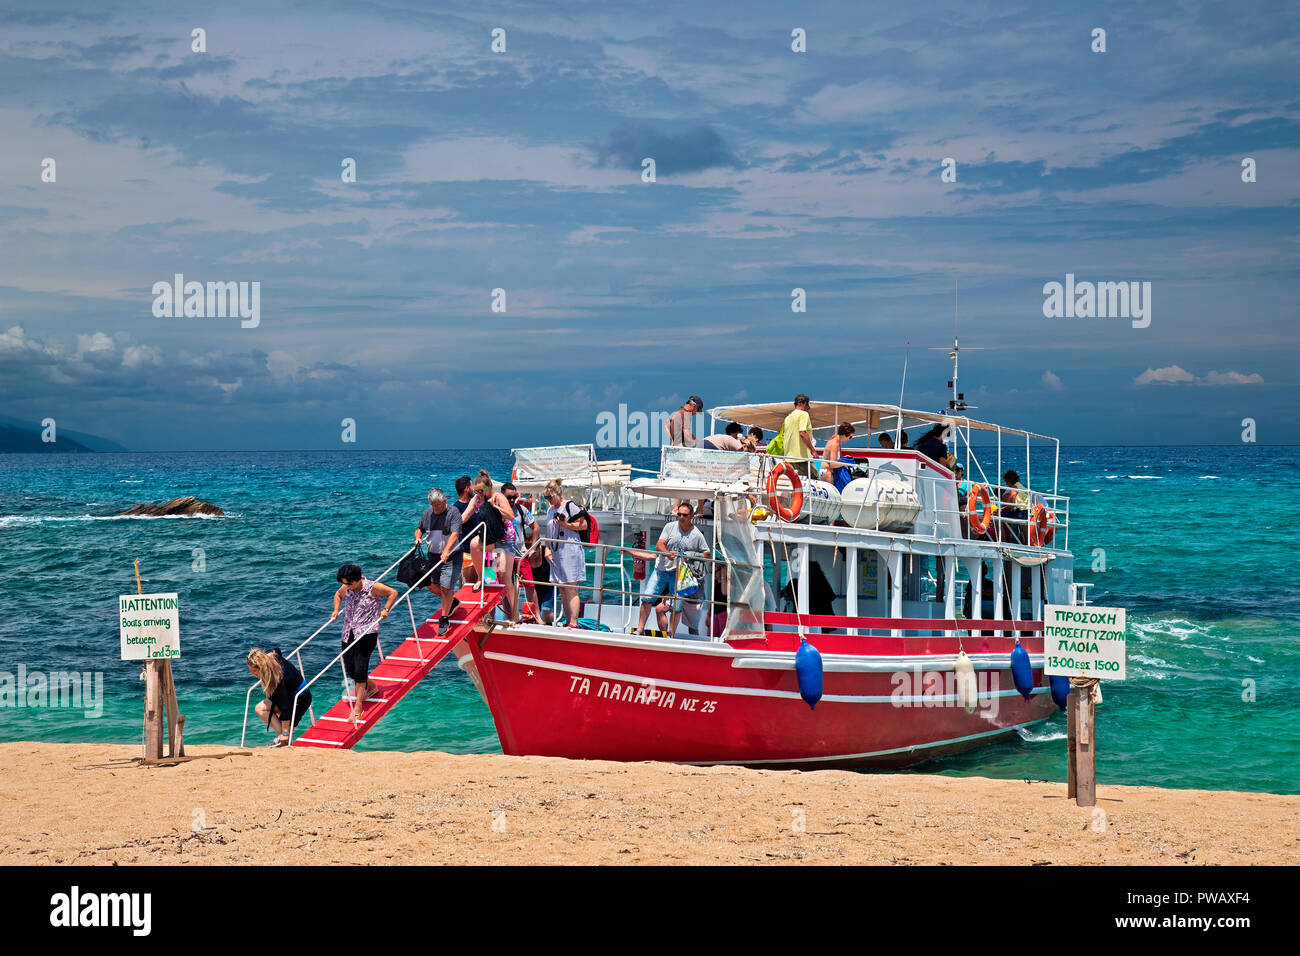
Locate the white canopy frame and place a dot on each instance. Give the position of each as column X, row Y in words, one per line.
column 881, row 418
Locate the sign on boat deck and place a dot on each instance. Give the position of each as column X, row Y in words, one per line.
column 703, row 464
column 555, row 461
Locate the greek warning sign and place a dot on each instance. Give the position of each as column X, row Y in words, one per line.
column 1084, row 641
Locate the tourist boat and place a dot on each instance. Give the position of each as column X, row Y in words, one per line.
column 893, row 581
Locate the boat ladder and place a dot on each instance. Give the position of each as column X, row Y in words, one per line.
column 401, row 670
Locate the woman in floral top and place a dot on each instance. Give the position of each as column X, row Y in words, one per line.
column 361, row 616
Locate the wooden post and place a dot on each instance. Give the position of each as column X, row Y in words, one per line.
column 153, row 723
column 1086, row 771
column 1081, row 744
column 1072, row 742
column 174, row 718
column 159, row 704
column 153, row 717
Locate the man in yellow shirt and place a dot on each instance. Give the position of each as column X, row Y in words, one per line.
column 796, row 436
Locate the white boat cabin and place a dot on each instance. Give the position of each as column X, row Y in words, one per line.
column 902, row 534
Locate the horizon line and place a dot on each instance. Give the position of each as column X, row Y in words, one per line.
column 275, row 451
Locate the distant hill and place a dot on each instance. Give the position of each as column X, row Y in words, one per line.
column 25, row 439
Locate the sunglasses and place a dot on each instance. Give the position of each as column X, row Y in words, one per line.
column 683, row 514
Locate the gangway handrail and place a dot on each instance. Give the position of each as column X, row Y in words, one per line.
column 297, row 652
column 481, row 529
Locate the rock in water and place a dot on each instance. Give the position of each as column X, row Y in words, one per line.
column 189, row 505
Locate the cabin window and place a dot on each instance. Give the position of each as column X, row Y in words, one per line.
column 868, row 561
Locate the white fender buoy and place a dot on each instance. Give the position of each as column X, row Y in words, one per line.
column 968, row 694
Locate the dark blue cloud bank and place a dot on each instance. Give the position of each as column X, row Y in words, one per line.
column 522, row 171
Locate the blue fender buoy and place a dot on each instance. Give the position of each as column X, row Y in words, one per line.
column 1021, row 672
column 808, row 668
column 1060, row 689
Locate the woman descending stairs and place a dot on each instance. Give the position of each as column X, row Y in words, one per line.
column 401, row 670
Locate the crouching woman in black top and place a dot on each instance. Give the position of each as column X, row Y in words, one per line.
column 281, row 682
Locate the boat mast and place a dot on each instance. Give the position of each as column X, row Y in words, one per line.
column 958, row 401
column 898, row 423
column 956, row 404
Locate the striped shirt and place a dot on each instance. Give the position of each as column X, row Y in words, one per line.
column 360, row 611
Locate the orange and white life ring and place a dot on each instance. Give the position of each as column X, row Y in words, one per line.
column 1042, row 526
column 979, row 517
column 784, row 513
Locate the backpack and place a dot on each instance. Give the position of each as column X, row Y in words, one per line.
column 592, row 534
column 496, row 526
column 777, row 445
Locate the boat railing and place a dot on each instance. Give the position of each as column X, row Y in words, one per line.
column 904, row 626
column 297, row 651
column 598, row 591
column 481, row 532
column 598, row 568
column 1007, row 523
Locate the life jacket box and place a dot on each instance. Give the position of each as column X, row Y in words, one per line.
column 881, row 502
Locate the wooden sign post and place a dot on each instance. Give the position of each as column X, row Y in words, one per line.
column 141, row 639
column 1081, row 720
column 1084, row 643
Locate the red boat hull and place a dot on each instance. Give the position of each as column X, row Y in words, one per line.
column 887, row 702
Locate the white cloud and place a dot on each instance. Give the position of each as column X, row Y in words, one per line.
column 1174, row 375
column 16, row 340
column 98, row 342
column 1231, row 378
column 1171, row 375
column 134, row 356
column 1053, row 381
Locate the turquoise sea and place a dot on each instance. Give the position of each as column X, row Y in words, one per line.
column 1197, row 545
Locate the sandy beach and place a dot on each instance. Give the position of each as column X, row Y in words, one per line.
column 91, row 803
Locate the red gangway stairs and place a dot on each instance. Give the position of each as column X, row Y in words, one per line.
column 401, row 670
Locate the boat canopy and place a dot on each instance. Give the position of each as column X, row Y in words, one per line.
column 771, row 416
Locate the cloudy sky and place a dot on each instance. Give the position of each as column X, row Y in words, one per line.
column 522, row 171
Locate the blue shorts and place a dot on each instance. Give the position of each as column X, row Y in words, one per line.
column 660, row 585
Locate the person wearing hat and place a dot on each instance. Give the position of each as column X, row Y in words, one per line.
column 678, row 426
